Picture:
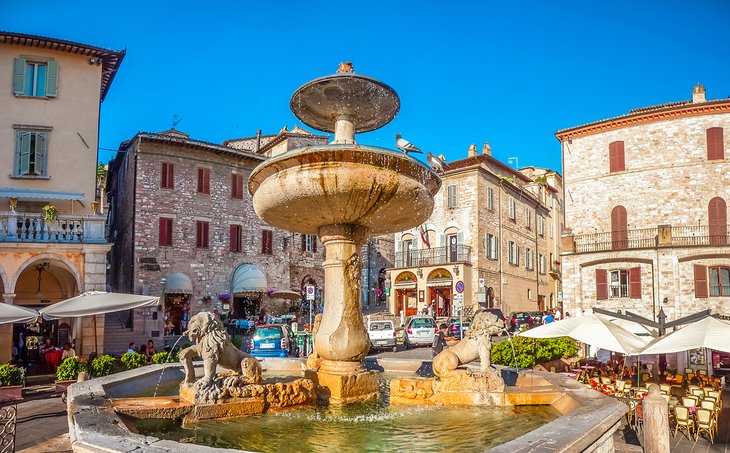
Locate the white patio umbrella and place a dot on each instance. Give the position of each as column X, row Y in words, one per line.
column 593, row 330
column 286, row 294
column 708, row 333
column 10, row 313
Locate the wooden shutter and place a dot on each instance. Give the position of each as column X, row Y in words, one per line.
column 24, row 152
column 40, row 153
column 163, row 175
column 234, row 238
column 314, row 244
column 635, row 283
column 616, row 157
column 304, row 243
column 619, row 226
column 19, row 76
column 203, row 180
column 715, row 145
column 206, row 234
column 700, row 281
column 601, row 284
column 266, row 238
column 170, row 176
column 164, row 233
column 52, row 79
column 237, row 186
column 717, row 211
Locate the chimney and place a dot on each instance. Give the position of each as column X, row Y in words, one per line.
column 258, row 140
column 472, row 150
column 486, row 149
column 441, row 156
column 698, row 94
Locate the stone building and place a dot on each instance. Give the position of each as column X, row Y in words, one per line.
column 485, row 243
column 646, row 210
column 49, row 133
column 184, row 228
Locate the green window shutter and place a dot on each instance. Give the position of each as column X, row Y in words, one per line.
column 19, row 76
column 41, row 141
column 52, row 79
column 24, row 151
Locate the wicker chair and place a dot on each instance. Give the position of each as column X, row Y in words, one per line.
column 689, row 401
column 665, row 388
column 622, row 388
column 705, row 423
column 682, row 421
column 718, row 398
column 712, row 407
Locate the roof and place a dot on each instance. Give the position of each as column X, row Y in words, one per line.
column 269, row 140
column 647, row 115
column 173, row 136
column 111, row 59
column 479, row 159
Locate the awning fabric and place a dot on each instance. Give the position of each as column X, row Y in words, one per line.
column 178, row 283
column 248, row 278
column 405, row 285
column 33, row 194
column 439, row 283
column 14, row 313
column 96, row 303
column 706, row 333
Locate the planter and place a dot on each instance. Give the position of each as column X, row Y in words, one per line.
column 61, row 386
column 11, row 393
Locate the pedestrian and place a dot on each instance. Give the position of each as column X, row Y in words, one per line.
column 557, row 314
column 68, row 351
column 548, row 319
column 150, row 350
column 132, row 348
column 439, row 341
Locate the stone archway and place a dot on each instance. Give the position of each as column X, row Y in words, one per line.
column 4, row 283
column 59, row 262
column 44, row 279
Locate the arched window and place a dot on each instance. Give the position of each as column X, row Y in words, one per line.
column 619, row 233
column 717, row 211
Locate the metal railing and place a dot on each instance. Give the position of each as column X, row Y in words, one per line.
column 433, row 256
column 33, row 227
column 700, row 235
column 671, row 236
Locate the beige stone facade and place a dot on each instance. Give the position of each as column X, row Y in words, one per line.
column 483, row 208
column 673, row 224
column 51, row 97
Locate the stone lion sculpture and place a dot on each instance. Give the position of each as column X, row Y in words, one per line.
column 214, row 346
column 476, row 344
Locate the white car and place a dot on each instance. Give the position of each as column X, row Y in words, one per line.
column 382, row 334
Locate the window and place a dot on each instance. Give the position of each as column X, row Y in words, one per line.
column 619, row 227
column 236, row 234
column 237, row 186
column 512, row 208
column 165, row 231
column 204, row 181
column 513, row 251
column 31, row 153
column 167, row 178
column 542, row 264
column 452, row 196
column 491, row 246
column 719, row 281
column 35, row 78
column 717, row 213
column 309, row 243
column 490, row 198
column 618, row 283
column 267, row 242
column 201, row 234
column 529, row 259
column 616, row 157
column 541, row 225
column 715, row 146
column 551, row 229
column 528, row 218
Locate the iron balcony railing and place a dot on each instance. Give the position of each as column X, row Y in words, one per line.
column 34, row 228
column 662, row 236
column 433, row 256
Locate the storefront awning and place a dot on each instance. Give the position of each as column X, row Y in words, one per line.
column 178, row 283
column 248, row 278
column 405, row 285
column 33, row 194
column 439, row 283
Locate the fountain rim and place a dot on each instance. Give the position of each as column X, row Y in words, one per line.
column 352, row 153
column 327, row 127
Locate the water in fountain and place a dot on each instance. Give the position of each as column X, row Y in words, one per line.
column 162, row 372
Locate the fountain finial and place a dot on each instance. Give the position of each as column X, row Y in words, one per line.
column 345, row 67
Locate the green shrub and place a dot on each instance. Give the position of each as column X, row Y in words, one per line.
column 132, row 360
column 165, row 357
column 529, row 352
column 11, row 375
column 103, row 366
column 70, row 368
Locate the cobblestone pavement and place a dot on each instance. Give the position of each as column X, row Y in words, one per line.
column 41, row 418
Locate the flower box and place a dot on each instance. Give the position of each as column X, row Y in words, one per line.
column 62, row 386
column 11, row 393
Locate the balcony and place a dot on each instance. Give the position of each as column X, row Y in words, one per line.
column 434, row 256
column 67, row 229
column 648, row 238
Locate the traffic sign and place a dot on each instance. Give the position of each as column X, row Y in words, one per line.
column 481, row 283
column 310, row 292
column 460, row 286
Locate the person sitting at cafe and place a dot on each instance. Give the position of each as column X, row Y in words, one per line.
column 68, row 351
column 626, row 374
column 132, row 348
column 150, row 350
column 47, row 347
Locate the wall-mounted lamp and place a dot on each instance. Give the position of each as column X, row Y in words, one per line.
column 419, row 272
column 13, row 204
column 456, row 270
column 95, row 207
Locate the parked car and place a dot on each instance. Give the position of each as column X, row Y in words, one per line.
column 382, row 334
column 273, row 340
column 521, row 321
column 420, row 331
column 497, row 312
column 536, row 317
column 455, row 327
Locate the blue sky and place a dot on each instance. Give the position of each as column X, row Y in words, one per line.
column 511, row 73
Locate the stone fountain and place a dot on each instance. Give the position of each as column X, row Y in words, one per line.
column 343, row 192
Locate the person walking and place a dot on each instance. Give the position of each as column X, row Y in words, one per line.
column 439, row 341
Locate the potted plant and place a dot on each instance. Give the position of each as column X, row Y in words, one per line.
column 68, row 372
column 132, row 360
column 103, row 366
column 11, row 382
column 50, row 213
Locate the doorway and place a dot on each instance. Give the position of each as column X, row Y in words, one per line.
column 406, row 300
column 441, row 300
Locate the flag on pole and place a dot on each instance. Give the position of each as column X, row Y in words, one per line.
column 424, row 236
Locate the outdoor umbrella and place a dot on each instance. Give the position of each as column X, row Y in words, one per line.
column 593, row 330
column 706, row 333
column 286, row 294
column 14, row 313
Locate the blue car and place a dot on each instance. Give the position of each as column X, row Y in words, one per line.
column 273, row 340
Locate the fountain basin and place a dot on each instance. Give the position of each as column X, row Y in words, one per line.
column 381, row 190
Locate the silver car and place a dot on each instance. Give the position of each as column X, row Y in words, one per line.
column 420, row 330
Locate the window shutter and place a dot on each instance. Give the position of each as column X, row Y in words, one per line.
column 40, row 153
column 233, row 238
column 443, row 240
column 460, row 239
column 616, row 157
column 619, row 225
column 163, row 231
column 163, row 175
column 24, row 167
column 170, row 176
column 314, row 244
column 700, row 281
column 635, row 283
column 206, row 180
column 304, row 243
column 601, row 284
column 19, row 76
column 715, row 145
column 717, row 211
column 52, row 79
column 200, row 180
column 496, row 248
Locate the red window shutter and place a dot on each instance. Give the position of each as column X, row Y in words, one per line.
column 601, row 284
column 164, row 234
column 198, row 236
column 206, row 234
column 266, row 242
column 237, row 186
column 206, row 181
column 200, row 180
column 635, row 283
column 314, row 244
column 167, row 176
column 619, row 226
column 163, row 175
column 700, row 281
column 717, row 211
column 233, row 233
column 616, row 157
column 304, row 243
column 715, row 145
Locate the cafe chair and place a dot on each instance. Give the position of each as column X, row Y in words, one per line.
column 665, row 388
column 705, row 423
column 702, row 372
column 712, row 407
column 683, row 421
column 688, row 371
column 689, row 401
column 622, row 388
column 606, row 380
column 718, row 398
column 699, row 393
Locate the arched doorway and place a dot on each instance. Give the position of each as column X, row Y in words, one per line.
column 178, row 292
column 439, row 283
column 718, row 221
column 405, row 294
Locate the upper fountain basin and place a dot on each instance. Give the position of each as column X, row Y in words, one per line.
column 379, row 189
column 367, row 102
